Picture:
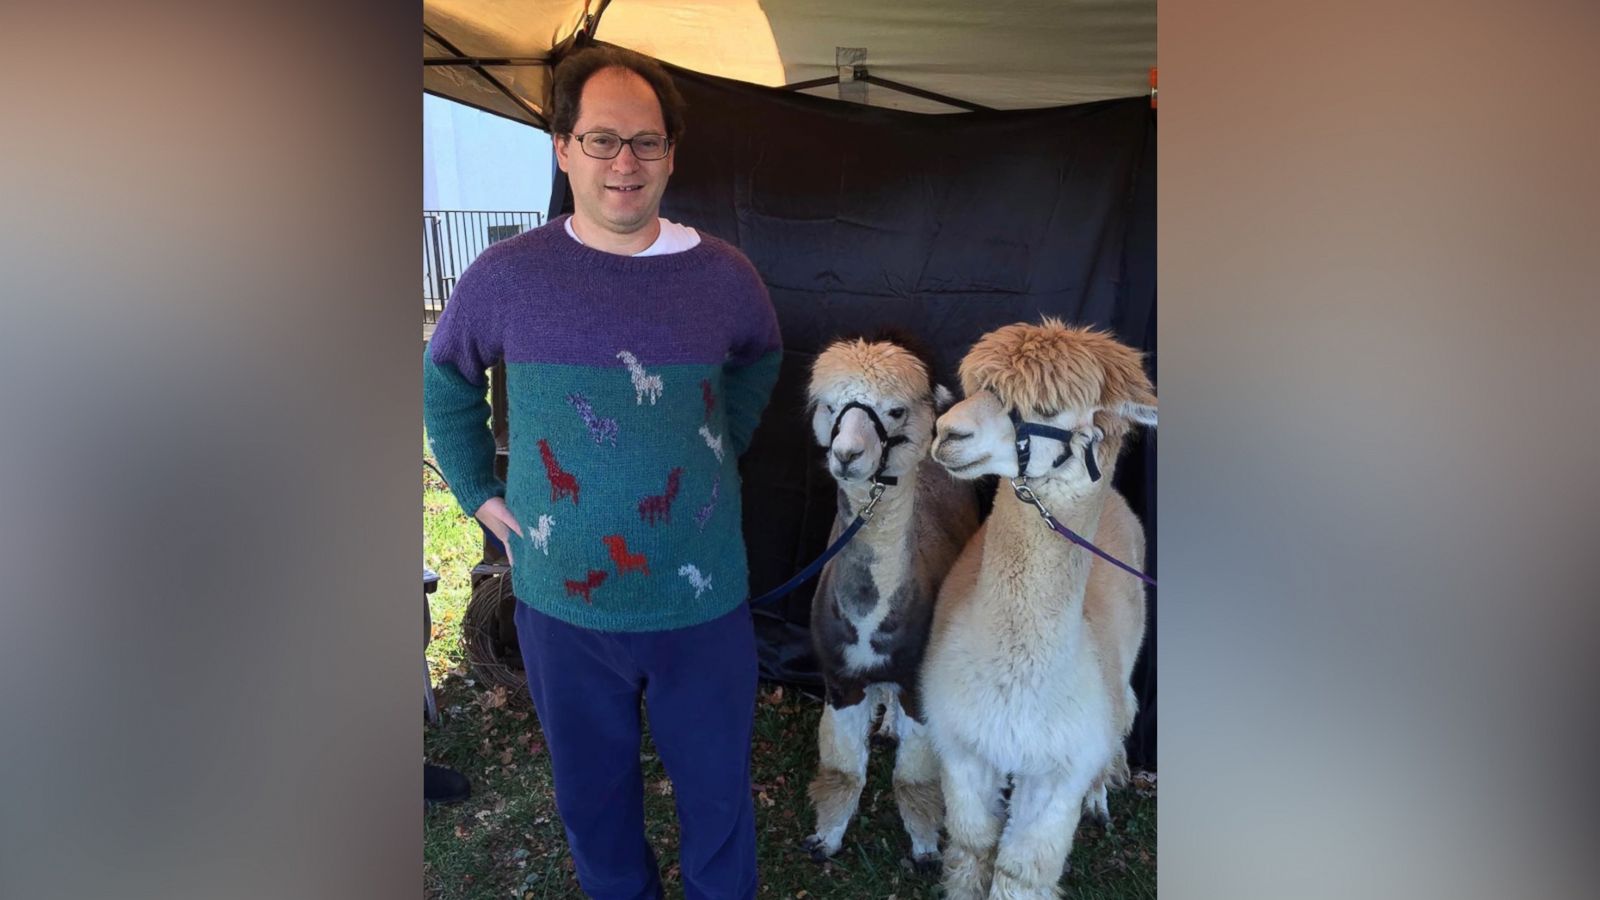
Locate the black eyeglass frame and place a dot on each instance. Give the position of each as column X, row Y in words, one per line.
column 623, row 142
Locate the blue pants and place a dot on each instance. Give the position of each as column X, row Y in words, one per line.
column 699, row 686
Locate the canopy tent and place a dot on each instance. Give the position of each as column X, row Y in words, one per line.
column 869, row 213
column 999, row 54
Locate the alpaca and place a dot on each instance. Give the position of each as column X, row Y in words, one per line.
column 703, row 515
column 541, row 534
column 561, row 482
column 601, row 429
column 873, row 408
column 699, row 582
column 1027, row 672
column 656, row 507
column 625, row 561
column 714, row 441
column 707, row 397
column 595, row 578
column 644, row 384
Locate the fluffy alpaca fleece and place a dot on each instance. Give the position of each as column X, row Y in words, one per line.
column 1027, row 671
column 874, row 601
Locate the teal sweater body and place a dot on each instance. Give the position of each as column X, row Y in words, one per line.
column 632, row 384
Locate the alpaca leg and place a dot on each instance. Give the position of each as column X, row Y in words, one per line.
column 841, row 772
column 972, row 813
column 916, row 791
column 1096, row 808
column 1038, row 836
column 888, row 733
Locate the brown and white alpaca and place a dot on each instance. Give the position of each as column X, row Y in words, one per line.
column 1026, row 677
column 873, row 606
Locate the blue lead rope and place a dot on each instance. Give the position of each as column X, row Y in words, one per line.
column 810, row 571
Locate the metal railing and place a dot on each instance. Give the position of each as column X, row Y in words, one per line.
column 451, row 239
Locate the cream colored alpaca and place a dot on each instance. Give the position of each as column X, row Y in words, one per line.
column 873, row 607
column 1026, row 677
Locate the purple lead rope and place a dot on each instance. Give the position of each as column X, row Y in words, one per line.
column 1072, row 536
column 1026, row 495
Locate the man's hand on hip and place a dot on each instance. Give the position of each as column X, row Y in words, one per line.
column 497, row 517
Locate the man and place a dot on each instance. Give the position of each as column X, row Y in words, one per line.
column 639, row 355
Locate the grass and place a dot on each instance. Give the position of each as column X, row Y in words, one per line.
column 507, row 841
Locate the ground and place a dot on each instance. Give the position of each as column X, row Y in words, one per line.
column 507, row 842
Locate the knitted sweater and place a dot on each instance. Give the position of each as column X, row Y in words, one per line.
column 633, row 384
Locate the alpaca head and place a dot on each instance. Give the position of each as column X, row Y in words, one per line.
column 1075, row 379
column 891, row 380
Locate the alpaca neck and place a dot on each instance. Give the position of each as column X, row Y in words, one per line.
column 888, row 535
column 1036, row 578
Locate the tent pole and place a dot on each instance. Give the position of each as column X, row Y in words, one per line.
column 861, row 74
column 538, row 118
column 485, row 61
column 926, row 95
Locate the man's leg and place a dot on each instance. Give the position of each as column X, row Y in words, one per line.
column 586, row 693
column 701, row 696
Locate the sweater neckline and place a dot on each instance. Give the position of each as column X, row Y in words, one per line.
column 588, row 257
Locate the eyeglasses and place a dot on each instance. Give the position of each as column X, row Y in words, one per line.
column 605, row 145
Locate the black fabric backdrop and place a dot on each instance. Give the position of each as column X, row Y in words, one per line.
column 948, row 226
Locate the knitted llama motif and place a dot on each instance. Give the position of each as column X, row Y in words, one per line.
column 625, row 562
column 712, row 441
column 541, row 535
column 704, row 515
column 561, row 482
column 698, row 581
column 582, row 588
column 707, row 397
column 644, row 384
column 657, row 507
column 602, row 430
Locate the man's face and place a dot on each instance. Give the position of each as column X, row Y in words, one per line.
column 620, row 195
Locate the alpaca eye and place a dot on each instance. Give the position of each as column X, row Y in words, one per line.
column 899, row 412
column 829, row 407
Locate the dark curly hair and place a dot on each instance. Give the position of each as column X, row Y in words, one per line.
column 574, row 72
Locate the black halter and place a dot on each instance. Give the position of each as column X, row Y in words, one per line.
column 889, row 443
column 1024, row 438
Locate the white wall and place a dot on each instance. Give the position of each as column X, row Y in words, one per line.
column 473, row 160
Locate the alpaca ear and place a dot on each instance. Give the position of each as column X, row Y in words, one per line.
column 1143, row 413
column 942, row 399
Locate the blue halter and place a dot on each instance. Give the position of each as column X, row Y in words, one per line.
column 1026, row 431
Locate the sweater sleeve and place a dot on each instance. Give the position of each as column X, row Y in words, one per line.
column 455, row 406
column 752, row 367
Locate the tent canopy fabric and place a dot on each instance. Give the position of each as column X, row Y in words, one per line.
column 1005, row 54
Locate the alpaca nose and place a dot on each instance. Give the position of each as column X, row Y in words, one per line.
column 950, row 434
column 846, row 457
